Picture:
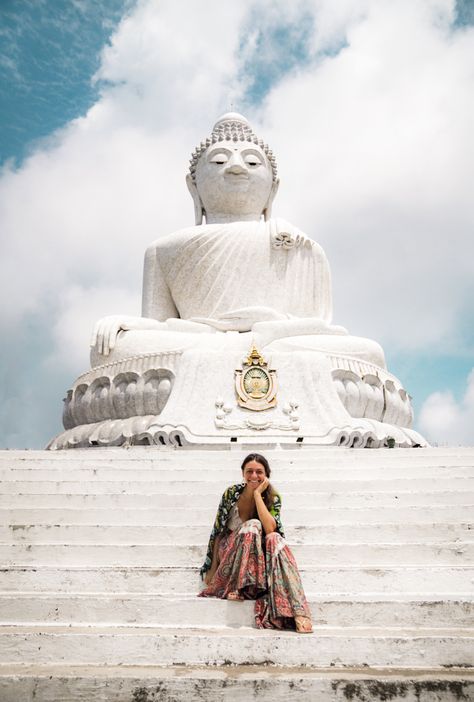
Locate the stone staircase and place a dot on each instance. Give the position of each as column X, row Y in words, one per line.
column 99, row 557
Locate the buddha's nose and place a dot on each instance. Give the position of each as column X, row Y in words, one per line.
column 236, row 165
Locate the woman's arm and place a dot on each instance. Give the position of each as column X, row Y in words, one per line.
column 215, row 562
column 268, row 522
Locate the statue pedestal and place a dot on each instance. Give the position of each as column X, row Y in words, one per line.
column 187, row 398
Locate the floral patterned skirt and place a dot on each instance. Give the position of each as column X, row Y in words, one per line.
column 262, row 571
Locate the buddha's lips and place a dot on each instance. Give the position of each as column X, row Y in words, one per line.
column 236, row 176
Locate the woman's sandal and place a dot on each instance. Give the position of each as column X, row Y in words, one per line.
column 303, row 625
column 235, row 596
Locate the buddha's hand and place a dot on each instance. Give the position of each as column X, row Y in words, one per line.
column 107, row 329
column 243, row 319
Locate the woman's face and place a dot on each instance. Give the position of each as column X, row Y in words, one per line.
column 254, row 474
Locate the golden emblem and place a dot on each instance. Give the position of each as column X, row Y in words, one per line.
column 255, row 383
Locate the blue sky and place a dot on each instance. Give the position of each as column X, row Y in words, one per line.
column 50, row 49
column 368, row 107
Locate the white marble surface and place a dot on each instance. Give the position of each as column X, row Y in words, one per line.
column 100, row 557
column 237, row 278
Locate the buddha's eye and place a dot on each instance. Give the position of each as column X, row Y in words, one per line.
column 252, row 161
column 220, row 159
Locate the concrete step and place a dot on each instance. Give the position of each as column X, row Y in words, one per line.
column 351, row 580
column 155, row 534
column 168, row 516
column 328, row 646
column 159, row 485
column 439, row 553
column 235, row 454
column 159, row 610
column 226, row 475
column 227, row 683
column 103, row 570
column 210, row 501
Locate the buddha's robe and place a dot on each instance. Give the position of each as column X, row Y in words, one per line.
column 209, row 270
column 202, row 273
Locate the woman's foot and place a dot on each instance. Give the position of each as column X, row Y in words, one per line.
column 234, row 596
column 303, row 625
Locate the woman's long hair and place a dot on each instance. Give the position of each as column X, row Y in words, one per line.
column 269, row 494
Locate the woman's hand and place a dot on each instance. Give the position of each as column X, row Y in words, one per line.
column 268, row 522
column 262, row 486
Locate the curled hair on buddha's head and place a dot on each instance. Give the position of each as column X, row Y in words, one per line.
column 231, row 127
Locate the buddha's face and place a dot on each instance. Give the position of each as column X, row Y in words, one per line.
column 234, row 179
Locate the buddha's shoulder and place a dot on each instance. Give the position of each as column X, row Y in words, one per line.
column 177, row 238
column 278, row 232
column 286, row 235
column 195, row 233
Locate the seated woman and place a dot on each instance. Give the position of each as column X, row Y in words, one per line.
column 247, row 556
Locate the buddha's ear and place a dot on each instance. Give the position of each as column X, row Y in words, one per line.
column 198, row 208
column 267, row 211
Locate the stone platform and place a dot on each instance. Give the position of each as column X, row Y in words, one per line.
column 100, row 548
column 187, row 399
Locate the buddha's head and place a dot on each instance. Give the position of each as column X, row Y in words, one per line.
column 233, row 174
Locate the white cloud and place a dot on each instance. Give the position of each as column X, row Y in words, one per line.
column 173, row 65
column 445, row 421
column 376, row 156
column 78, row 311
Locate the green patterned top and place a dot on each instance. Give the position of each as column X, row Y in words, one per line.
column 228, row 500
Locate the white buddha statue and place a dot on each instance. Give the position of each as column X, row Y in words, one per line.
column 239, row 271
column 237, row 279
